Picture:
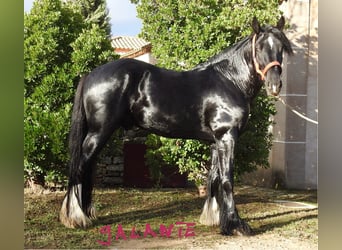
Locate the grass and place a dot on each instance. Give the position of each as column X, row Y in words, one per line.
column 138, row 207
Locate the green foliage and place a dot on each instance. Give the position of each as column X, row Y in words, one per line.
column 186, row 33
column 95, row 12
column 190, row 156
column 192, row 31
column 253, row 146
column 90, row 48
column 59, row 46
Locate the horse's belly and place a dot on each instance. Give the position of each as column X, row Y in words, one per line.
column 179, row 125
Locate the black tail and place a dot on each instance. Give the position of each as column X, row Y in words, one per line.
column 78, row 131
column 76, row 208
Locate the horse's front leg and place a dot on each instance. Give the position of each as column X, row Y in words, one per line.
column 230, row 221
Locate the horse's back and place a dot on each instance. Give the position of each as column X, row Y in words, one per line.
column 166, row 102
column 117, row 69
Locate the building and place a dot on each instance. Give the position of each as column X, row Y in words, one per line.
column 133, row 47
column 293, row 158
column 294, row 154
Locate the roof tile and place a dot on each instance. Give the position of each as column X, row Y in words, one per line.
column 129, row 42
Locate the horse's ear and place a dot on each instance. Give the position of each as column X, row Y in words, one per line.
column 281, row 23
column 256, row 25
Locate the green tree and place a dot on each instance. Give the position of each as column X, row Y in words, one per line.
column 60, row 45
column 186, row 33
column 95, row 12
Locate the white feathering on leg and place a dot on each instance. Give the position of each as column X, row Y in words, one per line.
column 211, row 214
column 76, row 217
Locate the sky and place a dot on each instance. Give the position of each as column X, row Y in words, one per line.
column 122, row 16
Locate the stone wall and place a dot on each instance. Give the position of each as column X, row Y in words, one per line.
column 109, row 172
column 294, row 154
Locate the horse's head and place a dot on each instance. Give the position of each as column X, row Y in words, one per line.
column 268, row 45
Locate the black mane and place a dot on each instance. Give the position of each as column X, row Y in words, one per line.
column 227, row 54
column 244, row 45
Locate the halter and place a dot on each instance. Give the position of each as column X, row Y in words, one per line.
column 256, row 64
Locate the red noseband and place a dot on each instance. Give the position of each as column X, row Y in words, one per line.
column 263, row 72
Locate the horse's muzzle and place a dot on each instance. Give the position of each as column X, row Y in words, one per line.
column 273, row 89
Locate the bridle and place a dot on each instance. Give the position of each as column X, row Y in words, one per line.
column 263, row 72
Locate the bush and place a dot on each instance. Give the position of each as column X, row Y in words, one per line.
column 59, row 46
column 190, row 156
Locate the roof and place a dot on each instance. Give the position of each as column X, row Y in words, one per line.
column 130, row 46
column 129, row 42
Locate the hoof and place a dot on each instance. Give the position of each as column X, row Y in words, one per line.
column 91, row 212
column 74, row 217
column 75, row 220
column 239, row 228
column 243, row 230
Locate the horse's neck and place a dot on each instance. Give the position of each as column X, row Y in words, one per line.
column 235, row 64
column 238, row 68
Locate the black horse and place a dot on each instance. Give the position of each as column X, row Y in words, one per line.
column 210, row 102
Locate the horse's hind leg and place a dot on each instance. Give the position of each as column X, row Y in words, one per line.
column 77, row 209
column 211, row 214
column 92, row 124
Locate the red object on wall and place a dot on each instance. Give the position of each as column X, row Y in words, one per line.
column 136, row 173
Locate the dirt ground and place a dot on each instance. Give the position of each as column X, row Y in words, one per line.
column 281, row 219
column 275, row 238
column 269, row 241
